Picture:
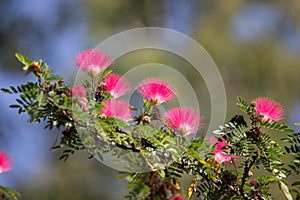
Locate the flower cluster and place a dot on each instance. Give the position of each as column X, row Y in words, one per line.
column 94, row 62
column 155, row 90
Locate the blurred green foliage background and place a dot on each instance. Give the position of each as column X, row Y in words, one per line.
column 255, row 44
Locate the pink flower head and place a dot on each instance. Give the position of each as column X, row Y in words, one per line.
column 118, row 109
column 79, row 94
column 78, row 91
column 116, row 85
column 93, row 61
column 178, row 197
column 221, row 157
column 5, row 162
column 156, row 90
column 184, row 120
column 220, row 154
column 269, row 109
column 219, row 144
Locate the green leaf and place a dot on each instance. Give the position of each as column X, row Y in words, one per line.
column 162, row 173
column 296, row 183
column 106, row 73
column 23, row 59
column 66, row 154
column 244, row 106
column 14, row 106
column 9, row 193
column 7, row 91
column 297, row 124
column 40, row 99
column 13, row 89
column 22, row 103
column 286, row 190
column 276, row 126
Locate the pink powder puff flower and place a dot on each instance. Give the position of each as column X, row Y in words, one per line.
column 156, row 90
column 212, row 140
column 184, row 120
column 118, row 109
column 79, row 94
column 269, row 109
column 221, row 144
column 177, row 197
column 5, row 162
column 221, row 157
column 220, row 154
column 78, row 91
column 116, row 85
column 93, row 61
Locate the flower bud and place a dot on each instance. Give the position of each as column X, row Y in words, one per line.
column 177, row 197
column 250, row 174
column 146, row 119
column 253, row 182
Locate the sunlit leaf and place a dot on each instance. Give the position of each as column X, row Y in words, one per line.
column 192, row 189
column 23, row 59
column 175, row 184
column 286, row 191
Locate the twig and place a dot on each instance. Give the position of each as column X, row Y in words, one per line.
column 246, row 174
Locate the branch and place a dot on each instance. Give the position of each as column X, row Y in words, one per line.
column 132, row 146
column 246, row 174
